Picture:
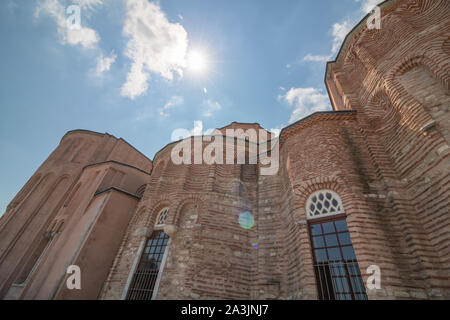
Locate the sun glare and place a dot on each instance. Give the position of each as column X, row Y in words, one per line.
column 197, row 61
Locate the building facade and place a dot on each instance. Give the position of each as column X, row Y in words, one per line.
column 360, row 191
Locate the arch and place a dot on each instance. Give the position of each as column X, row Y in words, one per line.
column 140, row 191
column 305, row 189
column 156, row 208
column 139, row 215
column 412, row 107
column 323, row 203
column 416, row 60
column 191, row 199
column 162, row 217
column 336, row 183
column 423, row 107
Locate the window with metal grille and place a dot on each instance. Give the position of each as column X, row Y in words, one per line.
column 323, row 203
column 336, row 269
column 146, row 275
column 162, row 216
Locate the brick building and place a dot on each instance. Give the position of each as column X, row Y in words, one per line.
column 365, row 184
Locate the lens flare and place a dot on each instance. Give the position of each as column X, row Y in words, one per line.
column 246, row 220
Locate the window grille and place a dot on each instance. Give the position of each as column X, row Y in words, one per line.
column 323, row 203
column 144, row 280
column 162, row 216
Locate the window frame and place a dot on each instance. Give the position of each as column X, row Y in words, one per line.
column 141, row 253
column 334, row 195
column 348, row 276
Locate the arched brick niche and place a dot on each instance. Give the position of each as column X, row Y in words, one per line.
column 156, row 207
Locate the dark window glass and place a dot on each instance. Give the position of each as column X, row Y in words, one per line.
column 334, row 254
column 344, row 238
column 318, row 242
column 144, row 279
column 331, row 240
column 341, row 225
column 337, row 272
column 321, row 255
column 337, row 269
column 328, row 227
column 349, row 253
column 316, row 229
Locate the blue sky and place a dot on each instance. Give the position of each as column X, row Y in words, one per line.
column 140, row 69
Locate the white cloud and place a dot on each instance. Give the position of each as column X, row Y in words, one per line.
column 87, row 4
column 104, row 63
column 198, row 128
column 210, row 107
column 155, row 45
column 367, row 5
column 339, row 32
column 173, row 102
column 314, row 58
column 83, row 36
column 275, row 131
column 305, row 101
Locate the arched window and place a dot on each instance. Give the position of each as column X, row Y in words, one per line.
column 323, row 203
column 145, row 281
column 335, row 265
column 161, row 218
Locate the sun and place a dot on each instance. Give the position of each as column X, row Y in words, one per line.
column 197, row 61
